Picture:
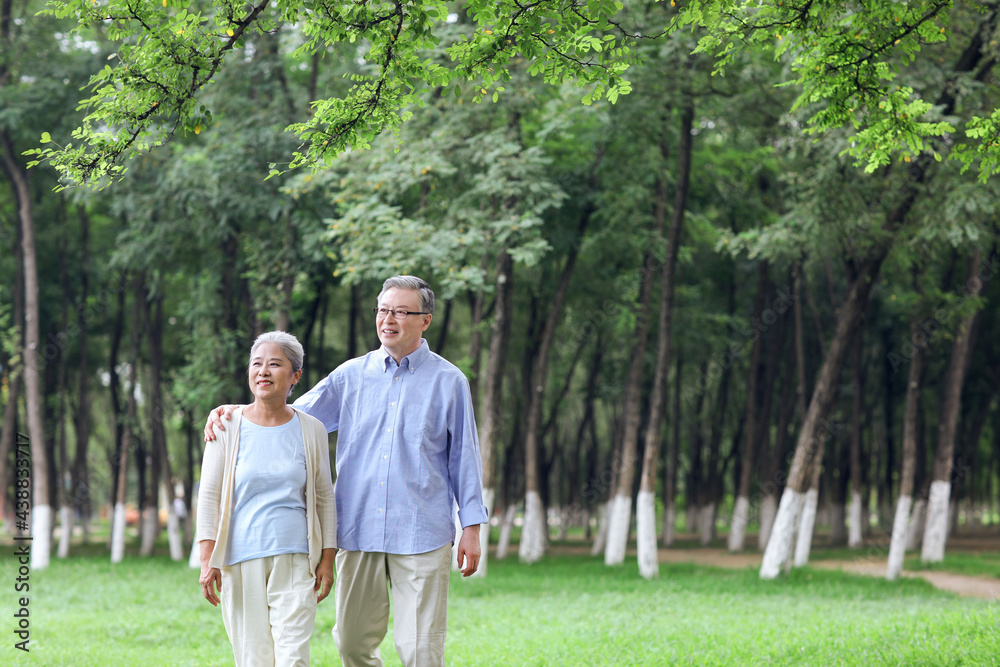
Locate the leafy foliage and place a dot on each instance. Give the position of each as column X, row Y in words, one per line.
column 168, row 54
column 847, row 59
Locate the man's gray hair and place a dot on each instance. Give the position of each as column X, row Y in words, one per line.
column 419, row 285
column 288, row 343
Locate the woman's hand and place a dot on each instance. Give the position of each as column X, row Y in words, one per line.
column 211, row 577
column 324, row 574
column 215, row 417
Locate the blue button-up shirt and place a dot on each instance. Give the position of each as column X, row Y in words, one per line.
column 407, row 450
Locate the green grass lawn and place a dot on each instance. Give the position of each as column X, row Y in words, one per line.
column 561, row 611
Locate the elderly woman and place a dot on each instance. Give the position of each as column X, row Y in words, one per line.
column 266, row 515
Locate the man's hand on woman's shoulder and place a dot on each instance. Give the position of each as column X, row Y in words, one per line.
column 216, row 418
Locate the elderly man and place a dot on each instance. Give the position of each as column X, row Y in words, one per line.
column 407, row 450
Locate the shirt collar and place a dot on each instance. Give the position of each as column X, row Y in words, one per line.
column 410, row 361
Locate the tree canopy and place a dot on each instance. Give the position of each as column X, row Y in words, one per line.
column 847, row 59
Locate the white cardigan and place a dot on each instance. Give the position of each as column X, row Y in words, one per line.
column 215, row 495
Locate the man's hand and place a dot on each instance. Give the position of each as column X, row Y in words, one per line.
column 215, row 418
column 469, row 550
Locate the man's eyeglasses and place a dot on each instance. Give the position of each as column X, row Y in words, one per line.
column 398, row 313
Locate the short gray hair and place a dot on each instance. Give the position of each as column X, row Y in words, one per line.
column 418, row 285
column 288, row 343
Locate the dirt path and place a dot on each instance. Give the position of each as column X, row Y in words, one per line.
column 980, row 587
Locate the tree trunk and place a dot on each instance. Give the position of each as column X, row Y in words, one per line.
column 535, row 531
column 584, row 495
column 741, row 509
column 610, row 478
column 673, row 460
column 506, row 524
column 648, row 556
column 286, row 286
column 695, row 480
column 443, row 328
column 921, row 481
column 129, row 436
column 935, row 533
column 776, row 456
column 66, row 522
column 897, row 544
column 41, row 510
column 158, row 433
column 815, row 428
column 81, row 473
column 492, row 408
column 620, row 509
column 856, row 517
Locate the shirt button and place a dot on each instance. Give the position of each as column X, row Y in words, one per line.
column 381, row 483
column 379, row 510
column 388, row 430
column 396, row 379
column 385, row 456
column 393, row 403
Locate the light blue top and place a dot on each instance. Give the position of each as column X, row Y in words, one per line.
column 407, row 450
column 269, row 493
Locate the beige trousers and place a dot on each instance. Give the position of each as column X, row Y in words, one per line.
column 419, row 585
column 269, row 608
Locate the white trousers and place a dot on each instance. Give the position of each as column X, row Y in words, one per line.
column 419, row 585
column 269, row 608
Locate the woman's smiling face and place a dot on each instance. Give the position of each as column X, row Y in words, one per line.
column 270, row 373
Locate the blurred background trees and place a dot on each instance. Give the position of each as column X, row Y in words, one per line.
column 682, row 297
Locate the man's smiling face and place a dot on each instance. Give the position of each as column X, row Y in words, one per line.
column 400, row 337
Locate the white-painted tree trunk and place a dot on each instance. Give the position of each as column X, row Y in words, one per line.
column 533, row 532
column 619, row 520
column 936, row 530
column 691, row 515
column 194, row 559
column 915, row 535
column 779, row 545
column 118, row 534
column 41, row 536
column 706, row 523
column 150, row 527
column 669, row 525
column 645, row 535
column 768, row 510
column 564, row 519
column 174, row 536
column 601, row 539
column 855, row 532
column 738, row 528
column 897, row 545
column 506, row 526
column 65, row 530
column 807, row 524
